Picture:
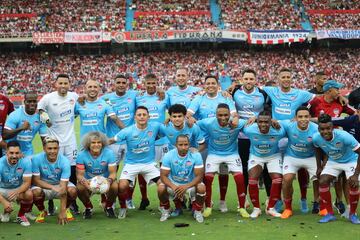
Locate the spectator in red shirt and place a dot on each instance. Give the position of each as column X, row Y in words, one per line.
column 329, row 103
column 6, row 107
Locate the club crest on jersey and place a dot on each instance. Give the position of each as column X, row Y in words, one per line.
column 150, row 133
column 129, row 100
column 72, row 101
column 188, row 163
column 2, row 107
column 19, row 170
column 286, row 167
column 295, row 136
column 273, row 139
column 99, row 106
column 309, row 139
column 338, row 144
column 208, row 165
column 103, row 163
column 36, row 123
column 336, row 111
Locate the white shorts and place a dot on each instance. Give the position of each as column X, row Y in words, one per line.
column 160, row 152
column 223, row 170
column 214, row 163
column 148, row 171
column 51, row 194
column 335, row 169
column 190, row 191
column 119, row 150
column 4, row 192
column 273, row 162
column 70, row 152
column 292, row 165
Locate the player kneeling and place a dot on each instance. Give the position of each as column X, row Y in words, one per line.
column 96, row 160
column 51, row 173
column 181, row 173
column 15, row 176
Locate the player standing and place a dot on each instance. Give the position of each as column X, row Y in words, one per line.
column 222, row 149
column 6, row 107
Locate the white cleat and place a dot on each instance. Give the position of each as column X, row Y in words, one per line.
column 222, row 206
column 130, row 204
column 198, row 216
column 5, row 217
column 165, row 214
column 273, row 212
column 255, row 213
column 31, row 216
column 122, row 213
column 346, row 214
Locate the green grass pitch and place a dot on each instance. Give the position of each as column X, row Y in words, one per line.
column 146, row 224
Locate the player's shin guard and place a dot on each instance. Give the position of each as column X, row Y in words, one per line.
column 240, row 188
column 165, row 205
column 275, row 191
column 143, row 187
column 303, row 178
column 209, row 178
column 39, row 203
column 354, row 199
column 223, row 184
column 25, row 206
column 254, row 191
column 122, row 198
column 288, row 203
column 325, row 198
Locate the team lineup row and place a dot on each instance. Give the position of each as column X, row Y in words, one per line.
column 217, row 124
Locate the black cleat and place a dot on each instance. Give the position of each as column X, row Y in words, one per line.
column 87, row 214
column 51, row 208
column 144, row 204
column 315, row 208
column 110, row 212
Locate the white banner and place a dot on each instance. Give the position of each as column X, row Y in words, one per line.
column 277, row 37
column 338, row 33
column 83, row 37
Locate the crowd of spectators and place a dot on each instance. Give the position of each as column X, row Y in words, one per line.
column 259, row 14
column 170, row 5
column 335, row 21
column 67, row 15
column 173, row 22
column 331, row 4
column 24, row 72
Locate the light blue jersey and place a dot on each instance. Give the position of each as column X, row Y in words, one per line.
column 157, row 110
column 124, row 108
column 16, row 119
column 249, row 105
column 184, row 97
column 205, row 107
column 140, row 143
column 11, row 176
column 340, row 149
column 264, row 145
column 284, row 104
column 98, row 166
column 194, row 133
column 51, row 173
column 225, row 82
column 181, row 168
column 92, row 116
column 300, row 143
column 221, row 140
column 25, row 138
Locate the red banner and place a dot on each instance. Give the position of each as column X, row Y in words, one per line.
column 18, row 15
column 138, row 14
column 48, row 37
column 333, row 11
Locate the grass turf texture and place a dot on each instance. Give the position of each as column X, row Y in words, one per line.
column 146, row 224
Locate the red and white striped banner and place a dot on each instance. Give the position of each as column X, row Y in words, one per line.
column 277, row 37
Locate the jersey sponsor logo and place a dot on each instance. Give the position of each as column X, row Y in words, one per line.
column 63, row 114
column 90, row 122
column 143, row 144
column 295, row 135
column 103, row 163
column 57, row 170
column 153, row 108
column 122, row 110
column 286, row 111
column 249, row 106
column 89, row 164
column 92, row 114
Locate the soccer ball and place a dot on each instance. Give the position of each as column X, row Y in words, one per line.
column 99, row 185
